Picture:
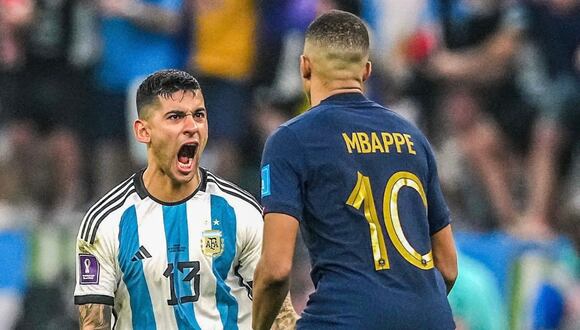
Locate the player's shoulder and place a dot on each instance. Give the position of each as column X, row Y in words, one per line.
column 237, row 197
column 287, row 133
column 107, row 211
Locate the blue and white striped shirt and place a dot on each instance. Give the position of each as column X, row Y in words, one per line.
column 183, row 265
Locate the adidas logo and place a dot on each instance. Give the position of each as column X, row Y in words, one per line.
column 141, row 254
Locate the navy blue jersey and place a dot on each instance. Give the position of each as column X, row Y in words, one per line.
column 363, row 184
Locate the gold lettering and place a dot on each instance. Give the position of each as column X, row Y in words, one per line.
column 387, row 140
column 410, row 144
column 399, row 141
column 376, row 143
column 351, row 143
column 365, row 145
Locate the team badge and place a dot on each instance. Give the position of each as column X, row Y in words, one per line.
column 89, row 269
column 212, row 243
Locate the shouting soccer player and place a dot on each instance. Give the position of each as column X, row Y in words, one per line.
column 174, row 246
column 361, row 184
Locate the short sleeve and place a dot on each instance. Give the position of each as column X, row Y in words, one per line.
column 438, row 212
column 96, row 269
column 283, row 173
column 252, row 246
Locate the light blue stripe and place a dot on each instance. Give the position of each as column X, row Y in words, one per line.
column 226, row 223
column 177, row 238
column 266, row 181
column 133, row 276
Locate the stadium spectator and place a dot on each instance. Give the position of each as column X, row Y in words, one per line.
column 14, row 17
column 473, row 70
column 44, row 112
column 552, row 81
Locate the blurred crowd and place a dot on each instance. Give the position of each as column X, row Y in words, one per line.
column 495, row 85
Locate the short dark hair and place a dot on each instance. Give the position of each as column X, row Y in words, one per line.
column 164, row 83
column 339, row 29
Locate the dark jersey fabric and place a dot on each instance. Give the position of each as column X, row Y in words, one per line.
column 309, row 171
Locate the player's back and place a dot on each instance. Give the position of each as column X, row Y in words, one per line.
column 372, row 200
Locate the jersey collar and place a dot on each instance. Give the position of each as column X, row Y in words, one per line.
column 143, row 193
column 345, row 97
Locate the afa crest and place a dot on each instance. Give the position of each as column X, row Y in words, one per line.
column 212, row 243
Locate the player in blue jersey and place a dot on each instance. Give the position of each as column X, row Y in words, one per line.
column 173, row 246
column 361, row 184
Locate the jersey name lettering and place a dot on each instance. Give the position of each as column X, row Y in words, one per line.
column 378, row 142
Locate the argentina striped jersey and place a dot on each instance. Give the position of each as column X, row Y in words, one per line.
column 183, row 265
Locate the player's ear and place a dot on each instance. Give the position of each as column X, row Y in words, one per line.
column 141, row 131
column 367, row 70
column 305, row 69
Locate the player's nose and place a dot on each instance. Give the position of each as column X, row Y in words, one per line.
column 189, row 124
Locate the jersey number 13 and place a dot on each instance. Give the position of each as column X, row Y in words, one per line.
column 192, row 275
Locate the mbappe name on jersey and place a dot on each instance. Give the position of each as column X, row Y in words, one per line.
column 378, row 142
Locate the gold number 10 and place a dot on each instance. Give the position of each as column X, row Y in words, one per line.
column 362, row 192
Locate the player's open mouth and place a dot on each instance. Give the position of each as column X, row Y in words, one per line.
column 185, row 156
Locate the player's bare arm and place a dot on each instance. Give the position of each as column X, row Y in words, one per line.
column 445, row 255
column 271, row 279
column 94, row 317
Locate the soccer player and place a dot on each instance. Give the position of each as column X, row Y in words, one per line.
column 173, row 246
column 361, row 184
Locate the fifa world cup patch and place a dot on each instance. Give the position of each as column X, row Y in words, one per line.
column 89, row 269
column 212, row 243
column 266, row 180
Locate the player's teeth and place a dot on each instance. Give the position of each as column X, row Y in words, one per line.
column 185, row 165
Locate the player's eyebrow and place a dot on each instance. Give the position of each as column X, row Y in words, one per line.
column 175, row 112
column 183, row 112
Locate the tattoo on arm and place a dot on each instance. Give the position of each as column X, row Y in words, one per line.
column 95, row 316
column 287, row 317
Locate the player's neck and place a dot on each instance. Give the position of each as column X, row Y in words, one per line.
column 166, row 189
column 320, row 91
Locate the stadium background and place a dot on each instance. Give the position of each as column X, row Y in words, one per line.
column 68, row 67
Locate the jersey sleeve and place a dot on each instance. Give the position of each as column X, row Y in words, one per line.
column 252, row 247
column 437, row 211
column 96, row 269
column 283, row 174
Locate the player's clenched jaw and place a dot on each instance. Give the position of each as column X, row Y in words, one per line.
column 178, row 132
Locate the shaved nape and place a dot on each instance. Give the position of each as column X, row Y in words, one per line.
column 335, row 64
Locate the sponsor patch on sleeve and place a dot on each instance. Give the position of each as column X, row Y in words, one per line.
column 89, row 269
column 266, row 180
